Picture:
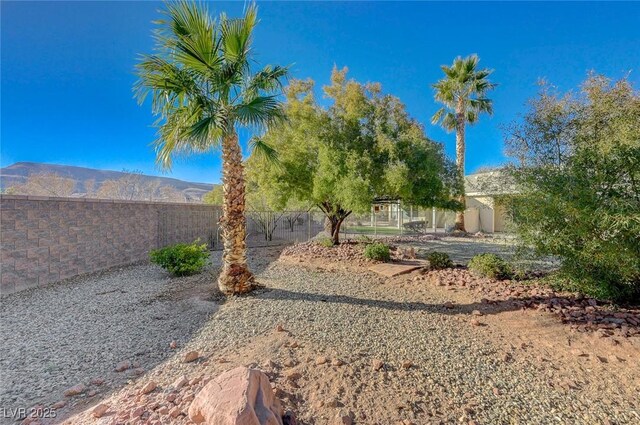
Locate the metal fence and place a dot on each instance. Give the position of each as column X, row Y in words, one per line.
column 264, row 228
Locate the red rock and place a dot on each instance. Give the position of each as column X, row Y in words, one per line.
column 279, row 328
column 137, row 412
column 191, row 356
column 150, row 386
column 337, row 362
column 100, row 410
column 321, row 360
column 237, row 397
column 496, row 391
column 475, row 322
column 97, row 381
column 123, row 365
column 407, row 364
column 173, row 345
column 376, row 364
column 180, row 382
column 75, row 390
column 59, row 405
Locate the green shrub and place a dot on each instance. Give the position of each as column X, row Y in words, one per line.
column 439, row 260
column 491, row 266
column 377, row 251
column 577, row 186
column 325, row 241
column 181, row 259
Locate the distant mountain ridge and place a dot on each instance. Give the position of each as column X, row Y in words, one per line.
column 17, row 174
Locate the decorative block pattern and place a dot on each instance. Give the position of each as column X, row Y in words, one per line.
column 44, row 240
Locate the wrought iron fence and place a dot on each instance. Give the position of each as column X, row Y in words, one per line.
column 264, row 228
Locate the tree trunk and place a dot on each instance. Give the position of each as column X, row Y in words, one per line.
column 460, row 148
column 235, row 277
column 333, row 220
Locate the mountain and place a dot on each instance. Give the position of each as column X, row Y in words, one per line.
column 17, row 173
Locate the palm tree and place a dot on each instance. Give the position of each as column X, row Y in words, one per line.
column 202, row 88
column 463, row 93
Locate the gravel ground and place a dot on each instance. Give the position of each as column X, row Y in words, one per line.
column 69, row 333
column 458, row 373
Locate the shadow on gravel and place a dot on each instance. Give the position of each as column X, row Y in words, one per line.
column 577, row 312
column 279, row 294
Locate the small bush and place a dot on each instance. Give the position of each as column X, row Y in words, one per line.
column 181, row 259
column 491, row 266
column 439, row 260
column 325, row 241
column 377, row 251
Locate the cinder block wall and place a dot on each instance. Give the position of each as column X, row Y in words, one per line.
column 44, row 240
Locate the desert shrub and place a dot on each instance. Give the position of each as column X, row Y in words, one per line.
column 577, row 176
column 363, row 239
column 439, row 260
column 325, row 241
column 491, row 266
column 181, row 259
column 377, row 251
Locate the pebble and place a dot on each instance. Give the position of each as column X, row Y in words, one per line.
column 100, row 410
column 191, row 356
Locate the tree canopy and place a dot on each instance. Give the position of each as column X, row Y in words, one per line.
column 577, row 170
column 343, row 157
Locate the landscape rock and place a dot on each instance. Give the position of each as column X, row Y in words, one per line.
column 59, row 405
column 180, row 382
column 123, row 365
column 321, row 360
column 75, row 390
column 149, row 387
column 240, row 396
column 100, row 410
column 191, row 356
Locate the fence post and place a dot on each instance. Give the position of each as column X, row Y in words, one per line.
column 375, row 223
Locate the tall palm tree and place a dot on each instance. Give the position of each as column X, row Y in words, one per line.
column 202, row 88
column 463, row 93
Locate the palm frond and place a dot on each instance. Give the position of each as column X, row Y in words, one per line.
column 268, row 79
column 261, row 148
column 445, row 118
column 236, row 35
column 260, row 112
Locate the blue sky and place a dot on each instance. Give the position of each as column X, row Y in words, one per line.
column 67, row 67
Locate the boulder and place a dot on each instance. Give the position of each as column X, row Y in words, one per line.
column 240, row 396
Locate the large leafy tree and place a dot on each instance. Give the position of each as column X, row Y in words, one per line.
column 341, row 158
column 202, row 87
column 463, row 92
column 577, row 170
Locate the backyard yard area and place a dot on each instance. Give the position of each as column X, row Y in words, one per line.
column 339, row 343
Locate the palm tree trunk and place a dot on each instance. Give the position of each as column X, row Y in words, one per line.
column 460, row 148
column 235, row 277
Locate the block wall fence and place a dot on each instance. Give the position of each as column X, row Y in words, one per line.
column 45, row 240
